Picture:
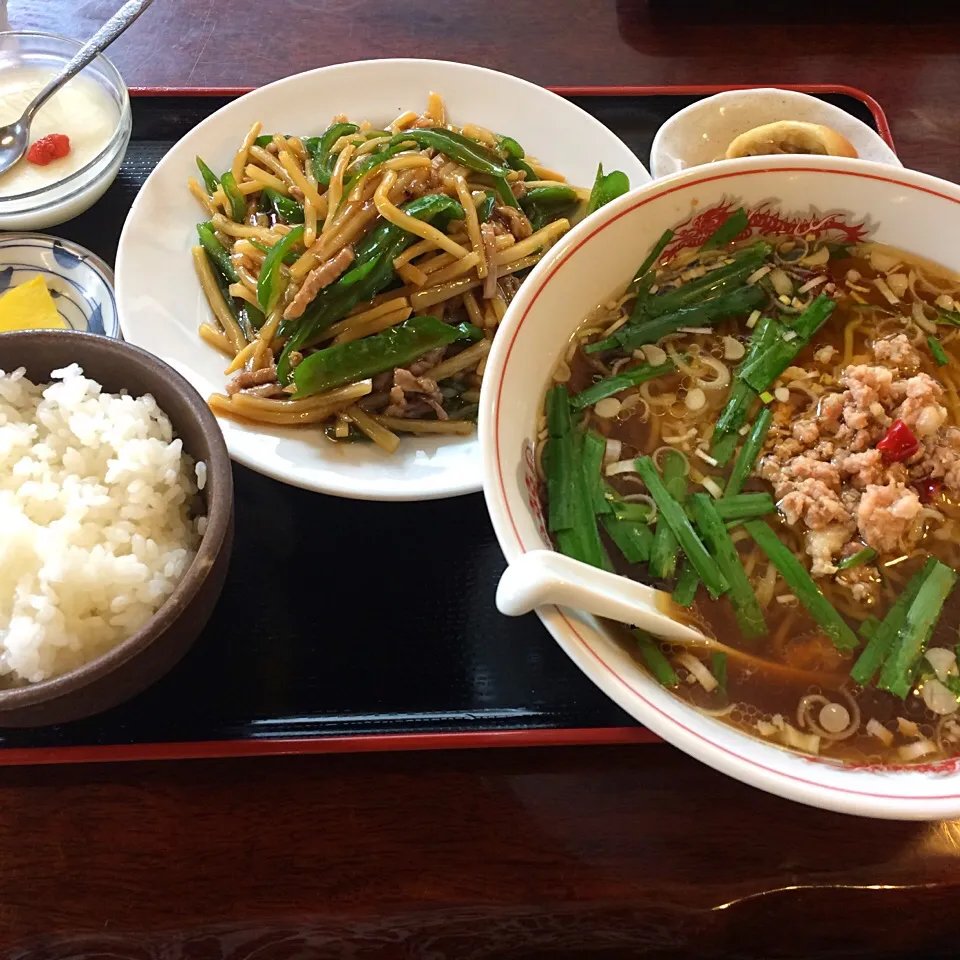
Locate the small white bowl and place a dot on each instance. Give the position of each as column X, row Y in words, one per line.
column 79, row 281
column 848, row 198
column 702, row 132
column 67, row 198
column 161, row 304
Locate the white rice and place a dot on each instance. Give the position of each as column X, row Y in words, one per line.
column 96, row 528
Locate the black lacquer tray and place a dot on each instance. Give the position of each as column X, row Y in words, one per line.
column 348, row 625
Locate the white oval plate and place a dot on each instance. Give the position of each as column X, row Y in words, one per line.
column 161, row 304
column 702, row 132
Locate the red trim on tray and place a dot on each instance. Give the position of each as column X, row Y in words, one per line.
column 879, row 116
column 949, row 766
column 296, row 746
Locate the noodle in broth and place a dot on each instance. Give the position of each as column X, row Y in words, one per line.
column 856, row 472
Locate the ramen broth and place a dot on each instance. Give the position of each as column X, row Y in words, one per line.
column 791, row 684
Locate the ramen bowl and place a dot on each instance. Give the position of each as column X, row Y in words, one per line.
column 849, row 200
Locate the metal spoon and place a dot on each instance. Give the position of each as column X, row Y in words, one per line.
column 15, row 137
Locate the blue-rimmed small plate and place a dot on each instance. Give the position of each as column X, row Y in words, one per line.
column 80, row 282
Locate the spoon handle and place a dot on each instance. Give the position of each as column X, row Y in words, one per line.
column 94, row 46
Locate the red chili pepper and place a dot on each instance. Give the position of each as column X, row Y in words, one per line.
column 898, row 443
column 928, row 490
column 49, row 148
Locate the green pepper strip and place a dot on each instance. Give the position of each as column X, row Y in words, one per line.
column 485, row 207
column 361, row 359
column 210, row 180
column 606, row 188
column 543, row 204
column 381, row 245
column 238, row 206
column 456, row 146
column 319, row 149
column 284, row 207
column 268, row 286
column 217, row 252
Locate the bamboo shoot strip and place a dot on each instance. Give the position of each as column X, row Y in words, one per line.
column 749, row 452
column 656, row 662
column 916, row 629
column 878, row 647
column 674, row 515
column 802, row 585
column 745, row 606
column 663, row 553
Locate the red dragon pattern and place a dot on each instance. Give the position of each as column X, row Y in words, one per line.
column 766, row 219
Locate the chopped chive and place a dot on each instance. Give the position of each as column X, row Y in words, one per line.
column 718, row 664
column 744, row 263
column 770, row 363
column 632, row 539
column 674, row 515
column 621, row 381
column 686, row 587
column 728, row 231
column 635, row 512
column 744, row 505
column 742, row 395
column 869, row 627
column 939, row 354
column 802, row 585
column 559, row 463
column 594, row 447
column 722, row 548
column 656, row 662
column 749, row 452
column 654, row 255
column 858, row 559
column 878, row 646
column 663, row 553
column 651, row 329
column 766, row 397
column 917, row 627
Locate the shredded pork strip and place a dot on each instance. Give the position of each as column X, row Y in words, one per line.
column 318, row 278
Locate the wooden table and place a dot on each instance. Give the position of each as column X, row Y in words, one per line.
column 590, row 852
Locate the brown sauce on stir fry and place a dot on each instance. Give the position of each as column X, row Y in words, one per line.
column 357, row 278
column 770, row 430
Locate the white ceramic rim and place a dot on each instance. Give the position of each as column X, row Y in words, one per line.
column 890, row 805
column 346, row 485
column 681, row 115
